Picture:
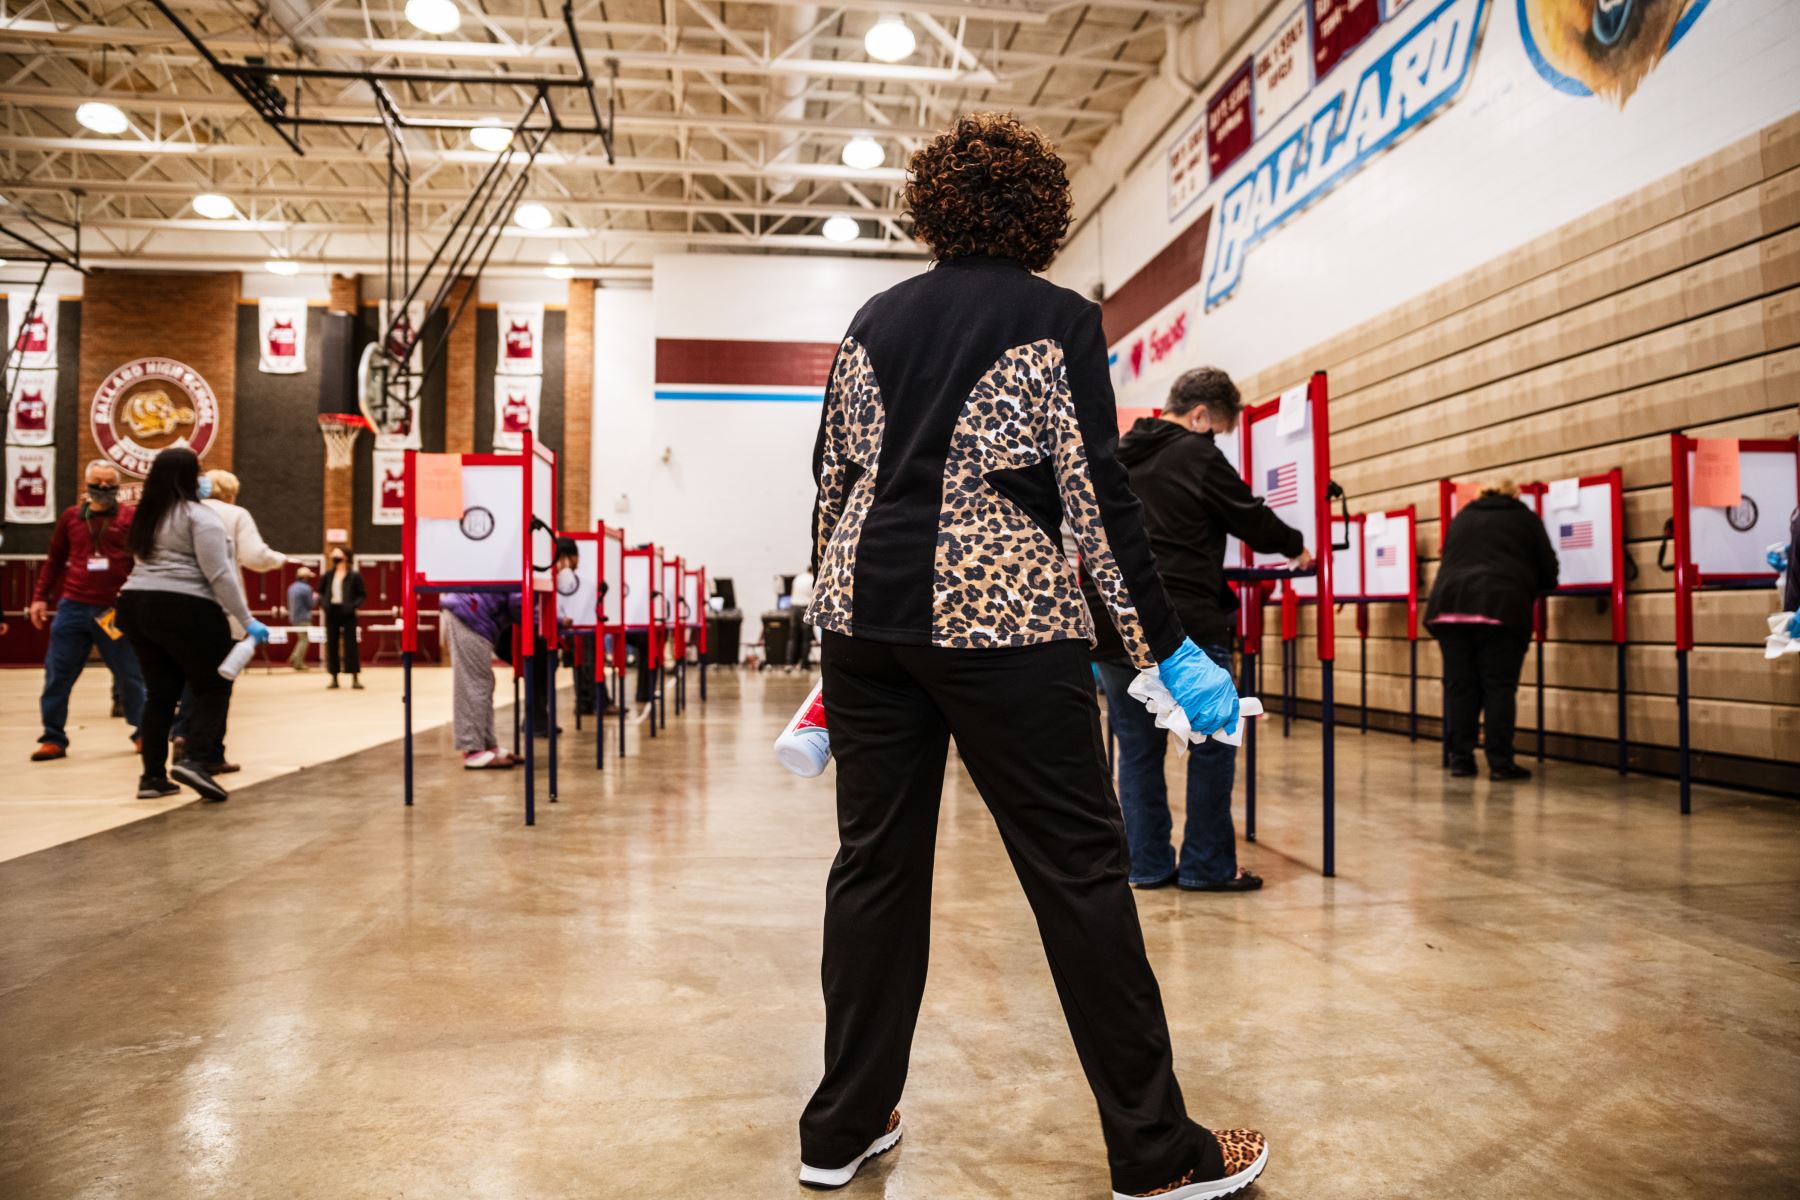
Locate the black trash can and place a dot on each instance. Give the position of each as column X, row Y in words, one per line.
column 778, row 636
column 724, row 636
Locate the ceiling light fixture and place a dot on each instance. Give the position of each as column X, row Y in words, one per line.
column 491, row 136
column 214, row 207
column 101, row 117
column 532, row 216
column 841, row 229
column 282, row 266
column 434, row 16
column 864, row 153
column 559, row 267
column 890, row 39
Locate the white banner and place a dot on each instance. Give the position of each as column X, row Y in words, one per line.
column 1283, row 72
column 281, row 335
column 34, row 337
column 521, row 339
column 30, row 485
column 388, row 487
column 515, row 409
column 31, row 409
column 411, row 329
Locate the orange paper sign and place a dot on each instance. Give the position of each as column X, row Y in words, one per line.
column 1716, row 482
column 439, row 483
column 1465, row 495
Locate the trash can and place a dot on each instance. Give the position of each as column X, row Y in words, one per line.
column 724, row 635
column 778, row 634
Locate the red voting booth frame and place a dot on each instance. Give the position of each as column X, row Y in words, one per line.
column 691, row 604
column 534, row 456
column 1363, row 598
column 674, row 576
column 1254, row 587
column 594, row 636
column 654, row 629
column 1688, row 580
column 1613, row 591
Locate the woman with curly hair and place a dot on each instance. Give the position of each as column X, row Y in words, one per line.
column 969, row 413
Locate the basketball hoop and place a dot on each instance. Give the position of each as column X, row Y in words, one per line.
column 339, row 431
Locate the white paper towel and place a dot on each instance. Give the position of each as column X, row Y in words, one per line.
column 1149, row 689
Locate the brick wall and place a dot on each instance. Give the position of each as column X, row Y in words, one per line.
column 578, row 404
column 190, row 317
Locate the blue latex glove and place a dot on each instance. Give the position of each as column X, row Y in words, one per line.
column 1794, row 625
column 257, row 630
column 1777, row 559
column 1202, row 687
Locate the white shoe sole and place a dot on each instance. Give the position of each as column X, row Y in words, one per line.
column 837, row 1177
column 1229, row 1186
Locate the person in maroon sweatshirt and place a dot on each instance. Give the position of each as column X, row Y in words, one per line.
column 88, row 562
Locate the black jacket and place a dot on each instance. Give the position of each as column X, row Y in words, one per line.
column 969, row 412
column 1497, row 562
column 354, row 591
column 1192, row 498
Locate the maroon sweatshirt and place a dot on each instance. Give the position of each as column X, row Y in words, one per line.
column 76, row 540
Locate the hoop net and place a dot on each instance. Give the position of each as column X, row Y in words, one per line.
column 339, row 431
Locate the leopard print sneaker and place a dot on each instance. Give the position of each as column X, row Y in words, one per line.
column 1246, row 1153
column 837, row 1177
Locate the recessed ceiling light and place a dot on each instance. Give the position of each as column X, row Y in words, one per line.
column 532, row 216
column 101, row 117
column 434, row 16
column 864, row 153
column 841, row 229
column 890, row 39
column 559, row 267
column 282, row 266
column 214, row 207
column 491, row 136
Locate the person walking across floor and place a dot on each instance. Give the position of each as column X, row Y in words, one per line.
column 1192, row 499
column 173, row 608
column 1497, row 561
column 300, row 602
column 968, row 413
column 341, row 593
column 87, row 563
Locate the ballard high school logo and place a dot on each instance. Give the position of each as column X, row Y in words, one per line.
column 149, row 405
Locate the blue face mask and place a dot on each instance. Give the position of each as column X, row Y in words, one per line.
column 205, row 487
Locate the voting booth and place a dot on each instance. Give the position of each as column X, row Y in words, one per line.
column 1733, row 499
column 674, row 628
column 693, row 616
column 1285, row 456
column 641, row 578
column 1374, row 560
column 481, row 523
column 580, row 603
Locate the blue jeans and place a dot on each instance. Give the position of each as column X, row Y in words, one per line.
column 72, row 632
column 1209, row 842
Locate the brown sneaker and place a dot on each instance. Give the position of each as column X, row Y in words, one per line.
column 837, row 1177
column 47, row 751
column 1246, row 1153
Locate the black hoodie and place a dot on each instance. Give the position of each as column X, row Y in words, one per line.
column 1192, row 498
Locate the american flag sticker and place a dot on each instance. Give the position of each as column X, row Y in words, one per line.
column 1386, row 556
column 1575, row 535
column 1283, row 486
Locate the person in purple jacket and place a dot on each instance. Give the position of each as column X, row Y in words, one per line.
column 477, row 626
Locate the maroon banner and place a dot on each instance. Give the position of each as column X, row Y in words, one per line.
column 1228, row 131
column 1338, row 27
column 756, row 364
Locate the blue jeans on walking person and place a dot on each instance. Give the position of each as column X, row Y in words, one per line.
column 1209, row 842
column 73, row 631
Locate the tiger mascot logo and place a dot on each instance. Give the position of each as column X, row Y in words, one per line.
column 1603, row 47
column 151, row 414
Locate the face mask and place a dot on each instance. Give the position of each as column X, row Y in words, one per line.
column 205, row 487
column 337, row 560
column 101, row 496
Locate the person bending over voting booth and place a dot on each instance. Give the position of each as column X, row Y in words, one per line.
column 1192, row 499
column 478, row 627
column 1497, row 562
column 968, row 412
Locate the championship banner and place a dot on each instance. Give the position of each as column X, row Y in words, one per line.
column 1338, row 27
column 1282, row 74
column 31, row 335
column 281, row 335
column 388, row 490
column 521, row 339
column 30, row 485
column 1228, row 131
column 31, row 409
column 516, row 399
column 410, row 331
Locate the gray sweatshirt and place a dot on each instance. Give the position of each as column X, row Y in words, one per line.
column 192, row 558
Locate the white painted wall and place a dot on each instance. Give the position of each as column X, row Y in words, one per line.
column 1507, row 160
column 727, row 483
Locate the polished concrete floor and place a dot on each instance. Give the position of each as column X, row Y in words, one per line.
column 1555, row 989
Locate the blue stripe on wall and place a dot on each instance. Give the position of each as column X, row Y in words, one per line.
column 715, row 394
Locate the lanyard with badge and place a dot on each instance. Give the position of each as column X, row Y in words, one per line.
column 98, row 562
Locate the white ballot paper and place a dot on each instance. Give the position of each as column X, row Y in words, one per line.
column 1564, row 493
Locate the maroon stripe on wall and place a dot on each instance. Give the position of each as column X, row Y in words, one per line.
column 765, row 364
column 1174, row 270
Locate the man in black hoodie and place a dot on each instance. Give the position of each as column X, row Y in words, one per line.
column 1192, row 498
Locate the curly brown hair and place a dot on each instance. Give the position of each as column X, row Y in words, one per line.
column 989, row 185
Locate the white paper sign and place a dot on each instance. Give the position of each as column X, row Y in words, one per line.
column 30, row 485
column 31, row 409
column 1564, row 493
column 281, row 335
column 32, row 335
column 1291, row 416
column 278, row 635
column 387, row 476
column 516, row 400
column 1375, row 524
column 521, row 339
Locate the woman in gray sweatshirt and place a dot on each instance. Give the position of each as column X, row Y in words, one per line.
column 172, row 609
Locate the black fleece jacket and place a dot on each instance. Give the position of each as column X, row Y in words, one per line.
column 1497, row 561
